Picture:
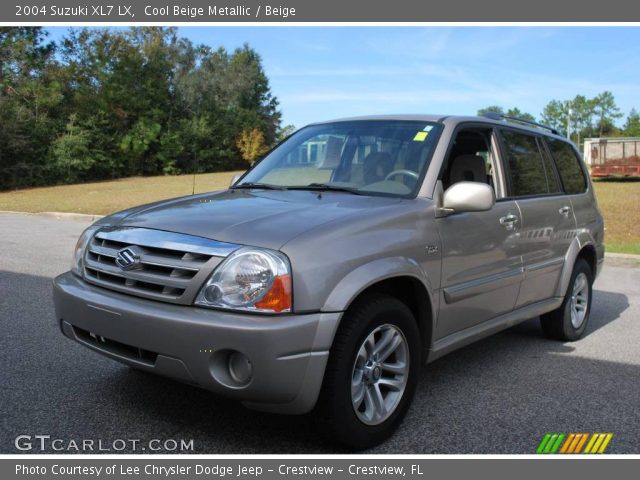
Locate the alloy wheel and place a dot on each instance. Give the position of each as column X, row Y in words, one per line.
column 380, row 374
column 579, row 300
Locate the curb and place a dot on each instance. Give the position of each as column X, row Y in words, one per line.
column 628, row 256
column 79, row 217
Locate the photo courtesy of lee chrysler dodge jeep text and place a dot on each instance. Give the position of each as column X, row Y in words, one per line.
column 350, row 256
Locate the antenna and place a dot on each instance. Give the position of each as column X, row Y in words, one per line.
column 194, row 167
column 502, row 116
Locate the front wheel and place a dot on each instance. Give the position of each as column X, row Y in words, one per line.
column 569, row 322
column 372, row 372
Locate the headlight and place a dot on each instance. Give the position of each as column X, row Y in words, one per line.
column 252, row 279
column 77, row 264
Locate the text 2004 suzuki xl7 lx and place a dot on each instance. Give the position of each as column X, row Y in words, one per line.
column 354, row 253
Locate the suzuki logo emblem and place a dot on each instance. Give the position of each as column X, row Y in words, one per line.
column 128, row 258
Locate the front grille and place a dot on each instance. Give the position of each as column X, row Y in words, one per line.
column 169, row 266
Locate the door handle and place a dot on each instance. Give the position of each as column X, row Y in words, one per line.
column 565, row 210
column 509, row 221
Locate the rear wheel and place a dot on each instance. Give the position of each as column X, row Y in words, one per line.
column 569, row 322
column 372, row 372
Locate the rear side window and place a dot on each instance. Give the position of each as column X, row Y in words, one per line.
column 568, row 165
column 529, row 171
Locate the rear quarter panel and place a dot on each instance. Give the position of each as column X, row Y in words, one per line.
column 589, row 231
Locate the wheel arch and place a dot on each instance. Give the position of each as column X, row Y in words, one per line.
column 582, row 246
column 398, row 277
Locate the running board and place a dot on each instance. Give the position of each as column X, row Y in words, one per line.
column 469, row 335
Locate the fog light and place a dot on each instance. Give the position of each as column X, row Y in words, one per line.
column 240, row 368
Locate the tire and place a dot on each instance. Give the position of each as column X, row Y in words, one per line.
column 569, row 322
column 391, row 322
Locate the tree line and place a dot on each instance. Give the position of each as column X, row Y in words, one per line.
column 102, row 104
column 581, row 117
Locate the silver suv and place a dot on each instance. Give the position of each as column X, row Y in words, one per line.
column 332, row 271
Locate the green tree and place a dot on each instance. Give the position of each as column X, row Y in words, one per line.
column 230, row 91
column 606, row 111
column 491, row 108
column 580, row 111
column 516, row 112
column 632, row 125
column 30, row 96
column 512, row 112
column 284, row 132
column 109, row 103
column 72, row 153
column 556, row 114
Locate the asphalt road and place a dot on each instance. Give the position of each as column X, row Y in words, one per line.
column 500, row 395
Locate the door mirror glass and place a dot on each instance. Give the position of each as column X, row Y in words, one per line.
column 468, row 197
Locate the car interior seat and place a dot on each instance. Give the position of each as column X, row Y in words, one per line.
column 376, row 166
column 467, row 168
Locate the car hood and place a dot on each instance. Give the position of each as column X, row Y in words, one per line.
column 250, row 217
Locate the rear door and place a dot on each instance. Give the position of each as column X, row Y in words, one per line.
column 547, row 216
column 574, row 182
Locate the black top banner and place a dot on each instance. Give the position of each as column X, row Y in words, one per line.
column 168, row 11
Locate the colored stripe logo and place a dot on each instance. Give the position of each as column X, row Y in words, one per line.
column 592, row 443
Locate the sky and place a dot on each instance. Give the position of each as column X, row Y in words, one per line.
column 320, row 73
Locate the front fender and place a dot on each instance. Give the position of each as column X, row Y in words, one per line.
column 358, row 280
column 363, row 277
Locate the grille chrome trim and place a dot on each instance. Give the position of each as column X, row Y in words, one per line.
column 146, row 237
column 149, row 258
column 172, row 267
column 140, row 275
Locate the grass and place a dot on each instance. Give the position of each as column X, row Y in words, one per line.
column 619, row 201
column 101, row 198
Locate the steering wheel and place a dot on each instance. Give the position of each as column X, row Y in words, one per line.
column 406, row 173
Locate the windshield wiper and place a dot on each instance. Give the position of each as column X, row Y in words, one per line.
column 265, row 186
column 326, row 187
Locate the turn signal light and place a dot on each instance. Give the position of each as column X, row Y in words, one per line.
column 278, row 298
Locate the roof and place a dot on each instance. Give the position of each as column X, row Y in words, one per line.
column 399, row 117
column 445, row 119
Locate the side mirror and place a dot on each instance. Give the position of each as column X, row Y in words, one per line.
column 234, row 179
column 467, row 197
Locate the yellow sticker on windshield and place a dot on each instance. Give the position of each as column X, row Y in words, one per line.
column 420, row 136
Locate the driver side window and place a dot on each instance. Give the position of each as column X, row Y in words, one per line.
column 470, row 158
column 389, row 161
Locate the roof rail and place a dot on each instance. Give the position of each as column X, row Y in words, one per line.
column 502, row 116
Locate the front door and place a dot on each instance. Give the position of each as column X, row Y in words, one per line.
column 481, row 263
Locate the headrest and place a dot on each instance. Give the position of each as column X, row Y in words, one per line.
column 468, row 168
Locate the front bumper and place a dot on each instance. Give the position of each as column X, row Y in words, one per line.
column 288, row 353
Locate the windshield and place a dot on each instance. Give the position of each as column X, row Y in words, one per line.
column 363, row 157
